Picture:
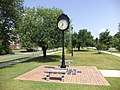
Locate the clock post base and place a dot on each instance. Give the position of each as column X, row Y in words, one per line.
column 63, row 66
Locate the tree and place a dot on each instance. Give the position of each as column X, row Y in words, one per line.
column 27, row 28
column 96, row 41
column 84, row 39
column 49, row 34
column 119, row 27
column 68, row 40
column 2, row 51
column 117, row 39
column 39, row 28
column 101, row 46
column 74, row 39
column 105, row 38
column 10, row 11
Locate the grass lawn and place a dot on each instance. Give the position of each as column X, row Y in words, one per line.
column 14, row 51
column 92, row 58
column 101, row 61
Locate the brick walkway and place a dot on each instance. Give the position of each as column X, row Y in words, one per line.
column 85, row 75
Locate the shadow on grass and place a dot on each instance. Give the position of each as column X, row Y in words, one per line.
column 25, row 51
column 81, row 51
column 97, row 53
column 49, row 58
column 14, row 60
column 9, row 66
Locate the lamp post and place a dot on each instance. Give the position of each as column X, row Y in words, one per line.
column 63, row 24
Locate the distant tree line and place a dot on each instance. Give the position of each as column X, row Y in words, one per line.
column 105, row 41
column 82, row 39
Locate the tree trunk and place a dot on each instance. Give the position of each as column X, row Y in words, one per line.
column 78, row 48
column 44, row 49
column 44, row 53
column 6, row 47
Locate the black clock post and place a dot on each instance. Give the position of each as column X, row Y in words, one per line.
column 63, row 24
column 63, row 55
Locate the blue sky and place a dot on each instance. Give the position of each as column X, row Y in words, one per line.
column 94, row 15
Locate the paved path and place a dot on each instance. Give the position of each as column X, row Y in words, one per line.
column 110, row 73
column 116, row 54
column 22, row 60
column 22, row 55
column 10, row 57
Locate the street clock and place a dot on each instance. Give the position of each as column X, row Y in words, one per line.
column 63, row 22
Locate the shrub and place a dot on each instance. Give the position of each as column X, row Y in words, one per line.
column 2, row 52
column 118, row 48
column 101, row 47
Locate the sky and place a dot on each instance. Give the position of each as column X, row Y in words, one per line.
column 94, row 15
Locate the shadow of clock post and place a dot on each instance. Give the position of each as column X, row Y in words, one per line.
column 63, row 23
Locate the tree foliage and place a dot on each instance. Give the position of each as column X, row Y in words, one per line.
column 96, row 41
column 27, row 28
column 117, row 39
column 74, row 39
column 101, row 46
column 119, row 27
column 39, row 28
column 68, row 40
column 105, row 38
column 10, row 11
column 84, row 38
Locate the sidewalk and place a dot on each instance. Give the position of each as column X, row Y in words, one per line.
column 116, row 54
column 22, row 60
column 110, row 73
column 25, row 54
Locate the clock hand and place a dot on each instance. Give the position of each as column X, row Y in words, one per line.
column 62, row 24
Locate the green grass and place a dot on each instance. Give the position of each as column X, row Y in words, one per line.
column 15, row 51
column 92, row 58
column 18, row 51
column 104, row 61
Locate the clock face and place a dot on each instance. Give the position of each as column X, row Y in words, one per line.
column 62, row 24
